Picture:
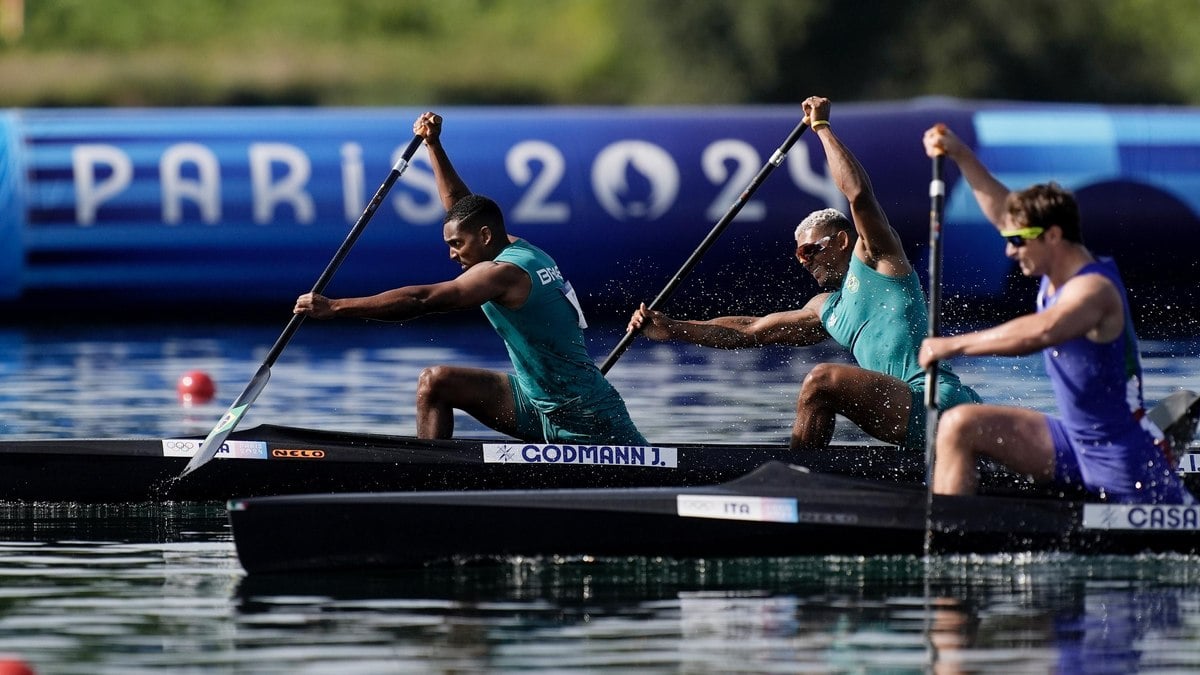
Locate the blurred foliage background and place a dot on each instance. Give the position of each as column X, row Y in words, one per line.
column 611, row 52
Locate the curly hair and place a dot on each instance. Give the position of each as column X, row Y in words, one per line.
column 828, row 217
column 475, row 211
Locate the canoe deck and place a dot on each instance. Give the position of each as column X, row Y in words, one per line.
column 275, row 460
column 278, row 460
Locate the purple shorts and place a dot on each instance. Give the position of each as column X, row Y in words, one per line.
column 1128, row 469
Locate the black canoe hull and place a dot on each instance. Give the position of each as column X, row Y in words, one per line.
column 777, row 510
column 293, row 461
column 279, row 460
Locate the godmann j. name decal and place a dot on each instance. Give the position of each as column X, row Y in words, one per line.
column 1141, row 517
column 188, row 447
column 616, row 455
column 732, row 507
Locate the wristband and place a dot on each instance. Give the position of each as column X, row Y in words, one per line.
column 818, row 124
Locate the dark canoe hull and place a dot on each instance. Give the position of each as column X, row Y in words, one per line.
column 280, row 460
column 777, row 510
column 276, row 460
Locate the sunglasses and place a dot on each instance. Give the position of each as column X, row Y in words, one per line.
column 807, row 251
column 1020, row 236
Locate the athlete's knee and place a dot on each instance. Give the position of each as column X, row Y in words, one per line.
column 820, row 384
column 953, row 430
column 432, row 381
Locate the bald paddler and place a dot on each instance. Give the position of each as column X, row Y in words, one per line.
column 871, row 302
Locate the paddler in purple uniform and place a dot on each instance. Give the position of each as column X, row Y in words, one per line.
column 1101, row 439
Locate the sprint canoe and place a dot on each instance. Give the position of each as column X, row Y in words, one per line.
column 276, row 460
column 776, row 510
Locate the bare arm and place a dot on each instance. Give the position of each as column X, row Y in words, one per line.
column 1088, row 305
column 481, row 283
column 878, row 243
column 989, row 192
column 797, row 328
column 451, row 187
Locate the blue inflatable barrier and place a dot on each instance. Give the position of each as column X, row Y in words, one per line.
column 243, row 207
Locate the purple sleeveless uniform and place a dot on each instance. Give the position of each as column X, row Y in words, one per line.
column 1103, row 439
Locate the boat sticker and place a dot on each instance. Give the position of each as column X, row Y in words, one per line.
column 188, row 447
column 616, row 455
column 230, row 419
column 297, row 453
column 1140, row 517
column 1189, row 463
column 732, row 507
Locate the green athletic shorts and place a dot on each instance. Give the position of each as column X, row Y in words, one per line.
column 605, row 423
column 949, row 395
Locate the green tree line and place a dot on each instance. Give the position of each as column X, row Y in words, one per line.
column 606, row 52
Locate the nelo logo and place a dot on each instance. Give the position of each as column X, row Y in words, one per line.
column 297, row 454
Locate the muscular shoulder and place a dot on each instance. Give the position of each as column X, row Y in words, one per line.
column 1091, row 287
column 509, row 282
column 1095, row 303
column 889, row 260
column 815, row 304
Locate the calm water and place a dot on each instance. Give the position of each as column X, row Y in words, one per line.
column 157, row 588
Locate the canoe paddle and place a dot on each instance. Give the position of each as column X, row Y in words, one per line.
column 937, row 207
column 775, row 160
column 216, row 437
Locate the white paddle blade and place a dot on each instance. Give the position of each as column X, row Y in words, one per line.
column 216, row 438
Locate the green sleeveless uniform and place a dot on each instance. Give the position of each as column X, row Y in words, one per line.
column 882, row 320
column 561, row 395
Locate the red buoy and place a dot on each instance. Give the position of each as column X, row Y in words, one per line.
column 14, row 666
column 196, row 387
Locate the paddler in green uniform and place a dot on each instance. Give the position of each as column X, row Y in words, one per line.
column 556, row 393
column 872, row 303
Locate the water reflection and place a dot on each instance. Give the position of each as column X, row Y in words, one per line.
column 134, row 523
column 111, row 606
column 1083, row 615
column 1036, row 614
column 80, row 596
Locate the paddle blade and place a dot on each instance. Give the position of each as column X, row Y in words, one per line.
column 1176, row 416
column 216, row 437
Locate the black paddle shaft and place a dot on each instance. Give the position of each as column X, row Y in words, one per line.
column 216, row 438
column 775, row 160
column 344, row 250
column 937, row 197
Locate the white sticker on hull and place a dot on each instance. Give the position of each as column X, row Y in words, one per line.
column 1141, row 517
column 188, row 447
column 729, row 507
column 614, row 455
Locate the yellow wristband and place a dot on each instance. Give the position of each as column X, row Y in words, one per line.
column 818, row 124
